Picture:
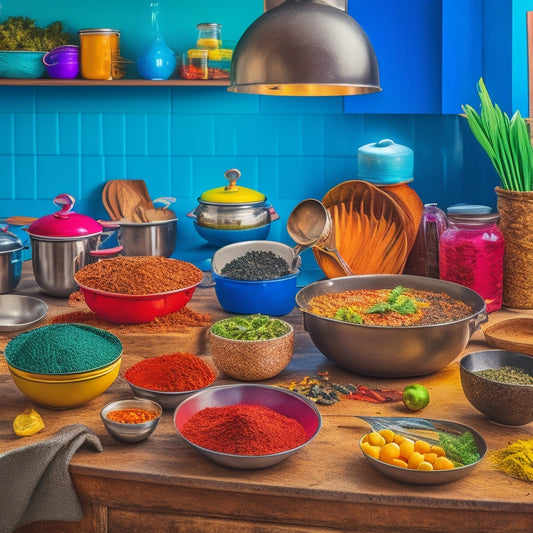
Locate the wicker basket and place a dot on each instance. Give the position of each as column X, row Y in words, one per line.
column 516, row 225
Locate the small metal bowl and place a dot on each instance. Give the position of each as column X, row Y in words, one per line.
column 433, row 477
column 20, row 312
column 167, row 400
column 283, row 401
column 504, row 403
column 131, row 432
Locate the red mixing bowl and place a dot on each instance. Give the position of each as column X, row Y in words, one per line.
column 135, row 309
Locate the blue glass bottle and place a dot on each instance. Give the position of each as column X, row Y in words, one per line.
column 157, row 61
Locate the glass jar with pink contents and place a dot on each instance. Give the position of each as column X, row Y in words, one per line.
column 471, row 253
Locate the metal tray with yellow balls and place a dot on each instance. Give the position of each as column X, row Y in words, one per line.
column 411, row 427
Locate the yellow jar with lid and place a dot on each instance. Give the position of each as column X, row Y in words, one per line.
column 100, row 54
column 209, row 36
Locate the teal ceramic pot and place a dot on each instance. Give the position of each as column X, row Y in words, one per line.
column 22, row 64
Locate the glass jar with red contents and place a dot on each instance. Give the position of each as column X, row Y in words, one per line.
column 471, row 253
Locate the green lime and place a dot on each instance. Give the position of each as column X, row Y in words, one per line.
column 415, row 397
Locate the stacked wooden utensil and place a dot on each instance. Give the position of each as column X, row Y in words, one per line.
column 129, row 200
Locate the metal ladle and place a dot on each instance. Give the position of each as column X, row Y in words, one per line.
column 310, row 225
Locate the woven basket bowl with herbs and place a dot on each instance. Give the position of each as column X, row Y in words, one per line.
column 252, row 347
column 505, row 140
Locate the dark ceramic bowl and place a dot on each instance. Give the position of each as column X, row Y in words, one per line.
column 507, row 404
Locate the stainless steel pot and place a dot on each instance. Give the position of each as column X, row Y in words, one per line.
column 232, row 209
column 391, row 351
column 233, row 216
column 146, row 238
column 10, row 260
column 61, row 244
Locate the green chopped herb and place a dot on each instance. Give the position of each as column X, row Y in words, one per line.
column 507, row 374
column 460, row 448
column 397, row 301
column 348, row 315
column 250, row 328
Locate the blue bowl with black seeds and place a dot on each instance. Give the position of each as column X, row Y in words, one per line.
column 256, row 277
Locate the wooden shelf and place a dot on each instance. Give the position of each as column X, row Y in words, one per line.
column 113, row 83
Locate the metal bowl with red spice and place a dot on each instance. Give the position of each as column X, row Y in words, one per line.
column 247, row 426
column 169, row 379
column 137, row 289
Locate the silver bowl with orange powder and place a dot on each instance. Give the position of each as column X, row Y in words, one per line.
column 169, row 379
column 285, row 404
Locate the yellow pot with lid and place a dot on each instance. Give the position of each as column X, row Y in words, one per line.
column 232, row 213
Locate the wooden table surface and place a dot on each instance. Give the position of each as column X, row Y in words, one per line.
column 161, row 484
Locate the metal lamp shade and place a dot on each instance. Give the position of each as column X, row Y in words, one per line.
column 304, row 48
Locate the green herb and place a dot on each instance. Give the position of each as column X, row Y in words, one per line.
column 346, row 314
column 21, row 33
column 397, row 301
column 507, row 374
column 459, row 448
column 250, row 328
column 506, row 142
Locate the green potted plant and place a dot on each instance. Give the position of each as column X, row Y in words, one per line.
column 23, row 45
column 507, row 142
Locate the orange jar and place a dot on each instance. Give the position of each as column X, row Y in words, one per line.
column 99, row 54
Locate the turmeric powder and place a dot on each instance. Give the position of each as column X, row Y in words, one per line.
column 516, row 459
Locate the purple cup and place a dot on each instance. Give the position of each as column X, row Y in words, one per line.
column 63, row 62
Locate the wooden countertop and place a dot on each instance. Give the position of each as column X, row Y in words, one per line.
column 162, row 484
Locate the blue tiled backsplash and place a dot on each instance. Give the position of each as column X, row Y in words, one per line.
column 180, row 140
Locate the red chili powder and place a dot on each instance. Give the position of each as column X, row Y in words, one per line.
column 244, row 430
column 175, row 372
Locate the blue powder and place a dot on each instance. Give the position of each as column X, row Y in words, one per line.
column 62, row 349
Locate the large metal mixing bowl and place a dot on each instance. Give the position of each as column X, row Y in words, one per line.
column 381, row 351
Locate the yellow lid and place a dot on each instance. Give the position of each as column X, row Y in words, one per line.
column 232, row 193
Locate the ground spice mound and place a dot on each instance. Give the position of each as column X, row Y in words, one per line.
column 138, row 275
column 435, row 308
column 177, row 372
column 244, row 430
column 178, row 321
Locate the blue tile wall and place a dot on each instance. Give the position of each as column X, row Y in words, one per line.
column 180, row 140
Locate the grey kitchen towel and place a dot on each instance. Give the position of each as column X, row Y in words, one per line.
column 35, row 483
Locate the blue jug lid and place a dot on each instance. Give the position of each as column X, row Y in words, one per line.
column 385, row 163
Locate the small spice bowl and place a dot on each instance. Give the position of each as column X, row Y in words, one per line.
column 169, row 379
column 167, row 400
column 505, row 403
column 251, row 360
column 131, row 432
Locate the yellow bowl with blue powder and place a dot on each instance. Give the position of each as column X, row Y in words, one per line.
column 66, row 366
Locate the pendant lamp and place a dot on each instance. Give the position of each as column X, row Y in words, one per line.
column 304, row 48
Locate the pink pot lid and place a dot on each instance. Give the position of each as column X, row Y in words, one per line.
column 65, row 222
